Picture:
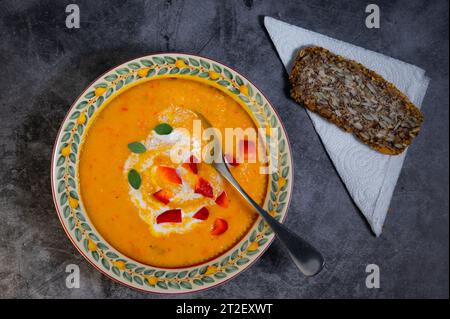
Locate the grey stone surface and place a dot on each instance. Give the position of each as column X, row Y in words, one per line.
column 44, row 67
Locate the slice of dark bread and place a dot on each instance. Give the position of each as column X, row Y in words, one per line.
column 356, row 99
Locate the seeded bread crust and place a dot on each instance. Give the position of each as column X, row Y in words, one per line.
column 356, row 99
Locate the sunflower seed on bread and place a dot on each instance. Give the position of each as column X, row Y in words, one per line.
column 356, row 99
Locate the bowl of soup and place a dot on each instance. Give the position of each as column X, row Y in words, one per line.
column 135, row 191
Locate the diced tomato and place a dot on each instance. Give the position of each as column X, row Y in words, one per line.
column 231, row 160
column 164, row 195
column 202, row 214
column 222, row 200
column 191, row 165
column 169, row 216
column 248, row 148
column 203, row 187
column 220, row 226
column 193, row 159
column 169, row 174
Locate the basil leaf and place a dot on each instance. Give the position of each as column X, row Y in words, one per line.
column 137, row 147
column 134, row 179
column 163, row 129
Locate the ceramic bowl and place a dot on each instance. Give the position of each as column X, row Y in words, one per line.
column 69, row 205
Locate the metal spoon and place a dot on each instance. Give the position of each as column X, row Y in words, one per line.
column 308, row 259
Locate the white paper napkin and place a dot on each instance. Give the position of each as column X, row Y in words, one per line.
column 369, row 176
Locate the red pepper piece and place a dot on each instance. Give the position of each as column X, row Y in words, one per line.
column 164, row 195
column 202, row 214
column 231, row 160
column 169, row 174
column 247, row 148
column 220, row 226
column 204, row 187
column 191, row 165
column 169, row 216
column 222, row 200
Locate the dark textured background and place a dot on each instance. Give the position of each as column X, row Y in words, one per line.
column 44, row 66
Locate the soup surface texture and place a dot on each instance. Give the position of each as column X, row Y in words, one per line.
column 149, row 207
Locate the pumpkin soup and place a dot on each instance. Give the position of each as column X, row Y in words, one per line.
column 151, row 208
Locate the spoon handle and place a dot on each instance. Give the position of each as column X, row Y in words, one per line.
column 305, row 256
